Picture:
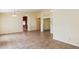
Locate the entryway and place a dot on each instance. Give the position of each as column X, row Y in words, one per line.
column 25, row 26
column 46, row 24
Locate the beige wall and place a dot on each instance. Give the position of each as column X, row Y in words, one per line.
column 66, row 26
column 46, row 14
column 10, row 24
column 0, row 23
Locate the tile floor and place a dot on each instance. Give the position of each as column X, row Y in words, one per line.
column 32, row 40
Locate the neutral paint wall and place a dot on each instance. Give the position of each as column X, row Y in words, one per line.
column 32, row 23
column 51, row 24
column 0, row 23
column 66, row 26
column 10, row 24
column 46, row 14
column 36, row 16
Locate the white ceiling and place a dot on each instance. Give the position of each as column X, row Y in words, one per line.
column 21, row 10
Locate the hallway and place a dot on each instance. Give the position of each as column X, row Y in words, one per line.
column 31, row 40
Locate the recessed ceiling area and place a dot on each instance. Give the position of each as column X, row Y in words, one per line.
column 21, row 10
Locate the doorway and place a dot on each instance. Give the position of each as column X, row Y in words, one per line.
column 25, row 26
column 46, row 25
column 38, row 23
